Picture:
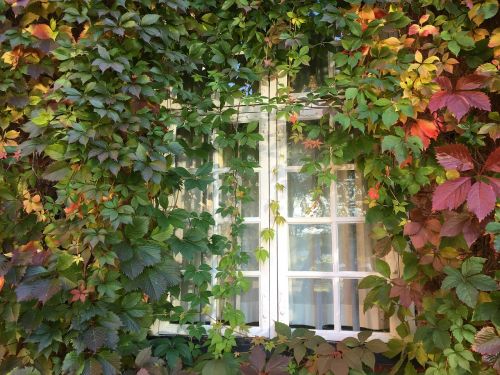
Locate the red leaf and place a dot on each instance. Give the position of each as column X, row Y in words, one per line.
column 471, row 82
column 451, row 194
column 454, row 156
column 460, row 101
column 373, row 193
column 453, row 223
column 258, row 358
column 41, row 31
column 495, row 182
column 421, row 233
column 425, row 130
column 493, row 161
column 471, row 231
column 481, row 199
column 476, row 99
column 461, row 223
column 444, row 83
column 403, row 293
column 457, row 105
column 407, row 293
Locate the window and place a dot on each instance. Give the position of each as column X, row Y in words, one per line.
column 321, row 251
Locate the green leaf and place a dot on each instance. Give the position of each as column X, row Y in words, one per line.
column 351, row 93
column 56, row 171
column 454, row 47
column 453, row 279
column 390, row 116
column 342, row 119
column 382, row 102
column 154, row 281
column 467, row 294
column 138, row 228
column 73, row 363
column 441, row 338
column 282, row 329
column 216, row 366
column 162, row 234
column 472, row 266
column 483, row 282
column 371, row 281
column 149, row 19
column 383, row 268
column 390, row 142
column 95, row 338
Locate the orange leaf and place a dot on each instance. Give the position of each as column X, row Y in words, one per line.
column 2, row 282
column 425, row 130
column 72, row 208
column 41, row 31
column 312, row 143
column 414, row 29
column 429, row 30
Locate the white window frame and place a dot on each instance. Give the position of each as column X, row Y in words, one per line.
column 273, row 274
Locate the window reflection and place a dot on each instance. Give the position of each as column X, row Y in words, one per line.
column 310, row 248
column 305, row 199
column 355, row 247
column 311, row 303
column 349, row 194
column 351, row 312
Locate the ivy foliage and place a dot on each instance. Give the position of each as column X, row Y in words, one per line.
column 102, row 100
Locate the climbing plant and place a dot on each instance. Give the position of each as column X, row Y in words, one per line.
column 91, row 230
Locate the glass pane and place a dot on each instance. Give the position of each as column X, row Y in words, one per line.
column 310, row 77
column 249, row 241
column 355, row 248
column 250, row 205
column 311, row 303
column 351, row 310
column 310, row 247
column 349, row 194
column 248, row 302
column 297, row 152
column 249, row 192
column 305, row 199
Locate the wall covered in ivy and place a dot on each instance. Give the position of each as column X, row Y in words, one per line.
column 89, row 181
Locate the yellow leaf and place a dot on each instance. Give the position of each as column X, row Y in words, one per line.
column 418, row 57
column 495, row 38
column 480, row 34
column 431, row 59
column 484, row 297
column 475, row 16
column 12, row 134
column 452, row 174
column 448, row 252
